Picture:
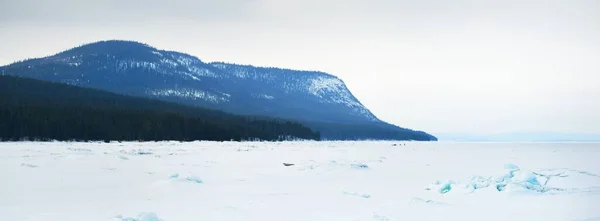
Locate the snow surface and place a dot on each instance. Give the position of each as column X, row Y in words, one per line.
column 173, row 181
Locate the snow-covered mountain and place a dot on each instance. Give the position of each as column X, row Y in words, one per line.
column 141, row 70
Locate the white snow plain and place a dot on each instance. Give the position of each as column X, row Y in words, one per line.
column 329, row 181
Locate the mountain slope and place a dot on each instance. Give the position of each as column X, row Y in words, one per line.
column 45, row 110
column 295, row 94
column 315, row 98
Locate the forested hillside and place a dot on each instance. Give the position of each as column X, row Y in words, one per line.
column 33, row 109
column 318, row 100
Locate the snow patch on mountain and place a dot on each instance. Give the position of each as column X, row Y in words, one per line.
column 321, row 85
column 192, row 65
column 263, row 96
column 183, row 60
column 71, row 60
column 129, row 64
column 189, row 75
column 327, row 89
column 245, row 72
column 333, row 90
column 157, row 53
column 192, row 94
column 169, row 62
column 202, row 72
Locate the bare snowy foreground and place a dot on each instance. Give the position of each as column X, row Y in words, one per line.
column 330, row 181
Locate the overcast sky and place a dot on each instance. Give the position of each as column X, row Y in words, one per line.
column 439, row 66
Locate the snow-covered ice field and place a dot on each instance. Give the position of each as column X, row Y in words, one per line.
column 329, row 181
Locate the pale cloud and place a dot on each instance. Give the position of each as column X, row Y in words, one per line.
column 440, row 66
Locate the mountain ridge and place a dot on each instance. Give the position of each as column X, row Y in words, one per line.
column 138, row 69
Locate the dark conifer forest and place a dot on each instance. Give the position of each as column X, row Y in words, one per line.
column 38, row 110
